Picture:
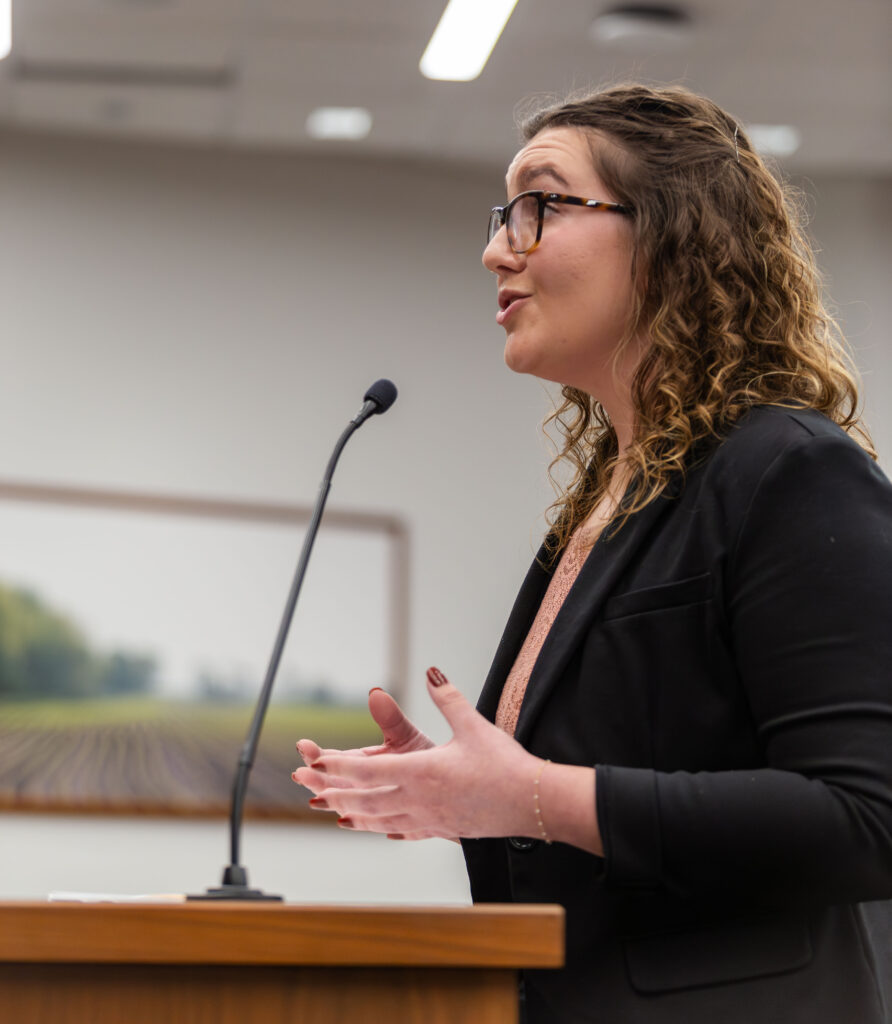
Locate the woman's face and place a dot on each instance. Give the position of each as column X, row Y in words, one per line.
column 566, row 305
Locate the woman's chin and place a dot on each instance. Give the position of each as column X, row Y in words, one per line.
column 519, row 358
column 526, row 362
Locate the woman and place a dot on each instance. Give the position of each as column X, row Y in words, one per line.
column 686, row 735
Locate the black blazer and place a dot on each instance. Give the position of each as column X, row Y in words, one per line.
column 725, row 661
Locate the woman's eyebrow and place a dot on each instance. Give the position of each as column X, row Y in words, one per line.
column 527, row 175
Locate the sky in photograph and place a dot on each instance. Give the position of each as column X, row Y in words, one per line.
column 206, row 595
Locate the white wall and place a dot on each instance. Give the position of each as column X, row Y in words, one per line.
column 206, row 322
column 852, row 226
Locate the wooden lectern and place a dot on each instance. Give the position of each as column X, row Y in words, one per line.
column 244, row 963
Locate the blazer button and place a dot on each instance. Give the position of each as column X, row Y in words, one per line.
column 522, row 843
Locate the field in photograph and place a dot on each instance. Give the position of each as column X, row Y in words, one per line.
column 144, row 755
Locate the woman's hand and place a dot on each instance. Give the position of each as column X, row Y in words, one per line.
column 399, row 736
column 480, row 783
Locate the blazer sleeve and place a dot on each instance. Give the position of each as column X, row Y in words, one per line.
column 808, row 596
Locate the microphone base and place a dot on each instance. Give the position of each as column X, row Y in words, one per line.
column 235, row 892
column 235, row 887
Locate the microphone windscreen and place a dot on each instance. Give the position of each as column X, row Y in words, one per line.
column 382, row 393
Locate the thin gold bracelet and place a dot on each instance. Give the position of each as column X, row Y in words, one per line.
column 539, row 821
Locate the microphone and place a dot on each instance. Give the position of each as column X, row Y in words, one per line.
column 378, row 399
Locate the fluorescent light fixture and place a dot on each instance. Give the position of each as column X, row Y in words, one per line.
column 339, row 123
column 464, row 38
column 5, row 28
column 774, row 139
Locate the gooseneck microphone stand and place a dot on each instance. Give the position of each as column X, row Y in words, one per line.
column 378, row 399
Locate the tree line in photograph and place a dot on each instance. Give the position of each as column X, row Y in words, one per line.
column 44, row 654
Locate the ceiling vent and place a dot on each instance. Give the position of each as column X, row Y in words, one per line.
column 126, row 43
column 642, row 26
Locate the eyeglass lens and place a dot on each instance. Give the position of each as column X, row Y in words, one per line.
column 521, row 221
column 495, row 222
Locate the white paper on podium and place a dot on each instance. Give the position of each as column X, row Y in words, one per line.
column 116, row 897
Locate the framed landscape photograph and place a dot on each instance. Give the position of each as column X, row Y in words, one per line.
column 135, row 633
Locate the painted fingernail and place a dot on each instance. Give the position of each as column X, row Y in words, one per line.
column 394, row 835
column 376, row 688
column 436, row 677
column 319, row 803
column 345, row 823
column 318, row 766
column 294, row 774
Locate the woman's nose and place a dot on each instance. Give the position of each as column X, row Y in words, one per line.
column 498, row 253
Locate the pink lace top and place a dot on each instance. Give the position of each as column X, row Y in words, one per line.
column 565, row 574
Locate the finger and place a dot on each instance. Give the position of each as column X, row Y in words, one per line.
column 372, row 751
column 397, row 729
column 393, row 824
column 452, row 703
column 316, row 781
column 347, row 772
column 304, row 777
column 379, row 748
column 319, row 803
column 361, row 804
column 309, row 751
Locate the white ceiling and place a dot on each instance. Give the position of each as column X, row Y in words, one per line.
column 248, row 72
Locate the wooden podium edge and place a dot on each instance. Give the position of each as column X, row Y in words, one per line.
column 484, row 935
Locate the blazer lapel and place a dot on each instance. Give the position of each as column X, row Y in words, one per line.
column 596, row 580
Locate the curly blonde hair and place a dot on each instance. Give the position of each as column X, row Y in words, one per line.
column 731, row 300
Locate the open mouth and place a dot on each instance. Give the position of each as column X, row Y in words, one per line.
column 507, row 298
column 508, row 303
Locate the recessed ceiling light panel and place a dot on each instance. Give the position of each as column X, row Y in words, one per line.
column 774, row 139
column 339, row 123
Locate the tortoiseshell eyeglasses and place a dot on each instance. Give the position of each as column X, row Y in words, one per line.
column 522, row 217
